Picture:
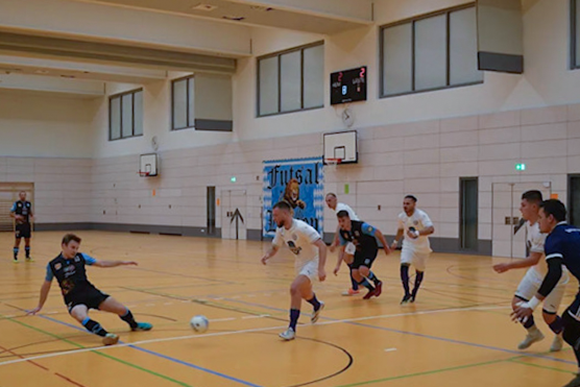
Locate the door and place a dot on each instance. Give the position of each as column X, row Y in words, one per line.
column 233, row 214
column 468, row 218
column 508, row 237
column 574, row 199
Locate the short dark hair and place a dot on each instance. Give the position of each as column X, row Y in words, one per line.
column 331, row 194
column 533, row 196
column 342, row 214
column 70, row 237
column 413, row 198
column 555, row 208
column 283, row 205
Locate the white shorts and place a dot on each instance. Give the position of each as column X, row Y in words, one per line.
column 418, row 260
column 530, row 284
column 308, row 269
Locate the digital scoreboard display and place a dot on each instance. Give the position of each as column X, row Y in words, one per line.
column 348, row 86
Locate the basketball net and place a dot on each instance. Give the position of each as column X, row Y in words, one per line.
column 332, row 163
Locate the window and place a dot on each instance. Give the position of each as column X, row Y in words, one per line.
column 430, row 53
column 291, row 81
column 126, row 115
column 575, row 38
column 182, row 97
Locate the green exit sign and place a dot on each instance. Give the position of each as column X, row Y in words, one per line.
column 520, row 167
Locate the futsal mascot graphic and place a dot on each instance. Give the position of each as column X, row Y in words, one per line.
column 300, row 182
column 292, row 194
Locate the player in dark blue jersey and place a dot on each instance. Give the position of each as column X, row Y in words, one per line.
column 21, row 211
column 562, row 247
column 79, row 294
column 362, row 251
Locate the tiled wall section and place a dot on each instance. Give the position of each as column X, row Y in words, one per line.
column 62, row 186
column 423, row 158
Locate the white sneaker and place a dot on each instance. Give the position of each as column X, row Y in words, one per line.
column 557, row 343
column 316, row 314
column 531, row 338
column 288, row 334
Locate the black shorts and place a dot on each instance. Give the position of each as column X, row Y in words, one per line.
column 364, row 258
column 574, row 308
column 22, row 230
column 91, row 298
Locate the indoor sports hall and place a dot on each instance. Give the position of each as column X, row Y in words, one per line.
column 166, row 133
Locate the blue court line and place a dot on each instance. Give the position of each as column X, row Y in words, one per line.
column 162, row 356
column 519, row 353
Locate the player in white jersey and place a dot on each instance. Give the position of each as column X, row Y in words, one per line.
column 416, row 226
column 310, row 252
column 332, row 203
column 537, row 269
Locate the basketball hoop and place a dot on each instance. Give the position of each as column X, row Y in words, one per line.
column 143, row 174
column 332, row 162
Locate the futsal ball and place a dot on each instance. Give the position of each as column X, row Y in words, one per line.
column 199, row 323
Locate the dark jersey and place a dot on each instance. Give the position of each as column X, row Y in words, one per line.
column 70, row 274
column 564, row 243
column 361, row 234
column 23, row 208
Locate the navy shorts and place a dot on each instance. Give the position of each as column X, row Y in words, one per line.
column 91, row 298
column 22, row 230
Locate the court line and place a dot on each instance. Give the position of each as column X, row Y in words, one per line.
column 227, row 333
column 356, row 322
column 95, row 350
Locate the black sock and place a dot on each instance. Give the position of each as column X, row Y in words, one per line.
column 353, row 283
column 15, row 250
column 557, row 325
column 571, row 333
column 418, row 279
column 373, row 278
column 94, row 327
column 27, row 250
column 294, row 314
column 314, row 302
column 529, row 322
column 405, row 278
column 366, row 284
column 128, row 318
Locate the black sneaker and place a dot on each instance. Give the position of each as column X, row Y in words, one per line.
column 406, row 299
column 574, row 382
column 412, row 299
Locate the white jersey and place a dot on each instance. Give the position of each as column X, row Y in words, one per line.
column 346, row 207
column 300, row 240
column 535, row 243
column 419, row 220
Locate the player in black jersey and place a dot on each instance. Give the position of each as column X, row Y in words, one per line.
column 79, row 294
column 21, row 211
column 364, row 240
column 562, row 247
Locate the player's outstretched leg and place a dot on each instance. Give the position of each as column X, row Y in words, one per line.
column 113, row 306
column 80, row 313
column 534, row 334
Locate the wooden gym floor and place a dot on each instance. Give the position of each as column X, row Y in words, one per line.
column 458, row 333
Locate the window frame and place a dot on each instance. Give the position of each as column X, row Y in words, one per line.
column 120, row 97
column 187, row 78
column 447, row 12
column 279, row 54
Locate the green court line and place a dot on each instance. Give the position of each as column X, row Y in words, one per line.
column 101, row 354
column 542, row 366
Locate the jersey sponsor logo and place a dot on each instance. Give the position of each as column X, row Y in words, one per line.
column 295, row 249
column 357, row 234
column 77, row 259
column 58, row 266
column 571, row 230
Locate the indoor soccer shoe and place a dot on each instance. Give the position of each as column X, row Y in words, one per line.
column 142, row 326
column 350, row 292
column 557, row 344
column 110, row 339
column 378, row 288
column 406, row 299
column 316, row 313
column 531, row 338
column 370, row 294
column 288, row 334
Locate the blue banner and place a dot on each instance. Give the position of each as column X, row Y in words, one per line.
column 298, row 181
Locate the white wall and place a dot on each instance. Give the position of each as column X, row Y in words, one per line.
column 34, row 124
